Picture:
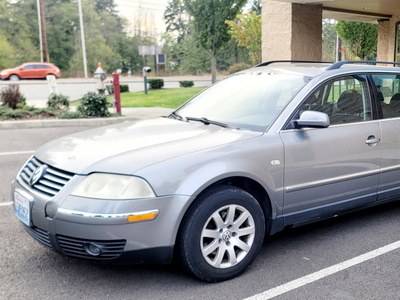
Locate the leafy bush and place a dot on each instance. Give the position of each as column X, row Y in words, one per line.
column 26, row 112
column 11, row 96
column 156, row 83
column 94, row 105
column 122, row 88
column 60, row 102
column 238, row 67
column 186, row 83
column 71, row 115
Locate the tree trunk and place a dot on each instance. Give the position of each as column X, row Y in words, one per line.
column 213, row 67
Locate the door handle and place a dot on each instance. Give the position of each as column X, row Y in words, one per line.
column 371, row 141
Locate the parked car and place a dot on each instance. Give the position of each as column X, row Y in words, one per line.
column 275, row 146
column 30, row 71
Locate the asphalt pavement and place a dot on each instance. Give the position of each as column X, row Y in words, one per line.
column 308, row 262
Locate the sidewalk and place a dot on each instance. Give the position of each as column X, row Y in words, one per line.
column 128, row 114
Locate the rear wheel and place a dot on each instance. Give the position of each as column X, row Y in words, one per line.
column 221, row 234
column 13, row 77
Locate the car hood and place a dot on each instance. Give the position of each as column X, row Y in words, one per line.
column 128, row 147
column 8, row 70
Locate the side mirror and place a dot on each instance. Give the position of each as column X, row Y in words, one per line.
column 313, row 119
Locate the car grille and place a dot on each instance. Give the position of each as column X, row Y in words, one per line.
column 49, row 185
column 40, row 235
column 74, row 247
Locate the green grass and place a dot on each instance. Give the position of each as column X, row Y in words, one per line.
column 171, row 98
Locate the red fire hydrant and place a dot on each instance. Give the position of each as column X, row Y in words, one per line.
column 117, row 92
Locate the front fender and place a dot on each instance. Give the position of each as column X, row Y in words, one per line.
column 193, row 173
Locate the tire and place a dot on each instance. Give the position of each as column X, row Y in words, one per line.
column 13, row 77
column 221, row 234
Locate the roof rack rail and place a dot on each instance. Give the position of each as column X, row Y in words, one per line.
column 290, row 61
column 339, row 64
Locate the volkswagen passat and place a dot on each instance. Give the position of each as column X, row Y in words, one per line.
column 275, row 146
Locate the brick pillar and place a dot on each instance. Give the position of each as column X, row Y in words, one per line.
column 291, row 31
column 383, row 41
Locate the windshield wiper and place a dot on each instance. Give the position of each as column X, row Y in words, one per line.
column 176, row 116
column 206, row 121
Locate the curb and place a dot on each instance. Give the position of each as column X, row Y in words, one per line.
column 63, row 123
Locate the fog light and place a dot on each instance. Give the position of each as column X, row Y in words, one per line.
column 92, row 249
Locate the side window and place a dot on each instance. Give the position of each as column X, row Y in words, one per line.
column 42, row 67
column 388, row 94
column 344, row 100
column 29, row 67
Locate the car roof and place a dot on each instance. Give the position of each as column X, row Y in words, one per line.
column 313, row 69
column 38, row 63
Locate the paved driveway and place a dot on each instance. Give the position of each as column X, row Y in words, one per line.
column 286, row 266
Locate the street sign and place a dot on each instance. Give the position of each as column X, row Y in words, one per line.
column 149, row 50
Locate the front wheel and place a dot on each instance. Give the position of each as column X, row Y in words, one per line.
column 221, row 234
column 13, row 77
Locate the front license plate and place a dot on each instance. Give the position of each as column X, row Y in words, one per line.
column 22, row 208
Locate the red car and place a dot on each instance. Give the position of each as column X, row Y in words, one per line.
column 30, row 71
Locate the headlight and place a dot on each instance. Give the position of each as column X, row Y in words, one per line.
column 110, row 186
column 3, row 73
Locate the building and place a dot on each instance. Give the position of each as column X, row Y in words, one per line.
column 292, row 29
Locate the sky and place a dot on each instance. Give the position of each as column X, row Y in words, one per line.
column 152, row 9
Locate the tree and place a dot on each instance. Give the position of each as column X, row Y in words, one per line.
column 176, row 19
column 246, row 29
column 256, row 6
column 7, row 57
column 210, row 29
column 193, row 58
column 106, row 5
column 361, row 38
column 328, row 40
column 16, row 30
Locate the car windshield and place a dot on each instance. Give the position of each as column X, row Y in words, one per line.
column 245, row 100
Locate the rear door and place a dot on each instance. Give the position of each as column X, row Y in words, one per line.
column 388, row 93
column 331, row 170
column 41, row 70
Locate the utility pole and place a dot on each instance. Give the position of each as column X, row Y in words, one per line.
column 44, row 53
column 83, row 38
column 40, row 30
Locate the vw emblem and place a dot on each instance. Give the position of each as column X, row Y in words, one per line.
column 226, row 236
column 37, row 175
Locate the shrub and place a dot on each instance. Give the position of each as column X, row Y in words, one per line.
column 11, row 96
column 122, row 88
column 26, row 113
column 186, row 83
column 156, row 83
column 94, row 105
column 71, row 115
column 238, row 67
column 60, row 102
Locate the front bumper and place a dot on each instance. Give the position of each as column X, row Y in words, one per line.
column 75, row 222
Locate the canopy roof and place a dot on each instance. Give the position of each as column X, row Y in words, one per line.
column 369, row 11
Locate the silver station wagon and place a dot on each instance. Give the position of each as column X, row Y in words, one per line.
column 279, row 145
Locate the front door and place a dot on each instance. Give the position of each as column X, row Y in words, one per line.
column 336, row 168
